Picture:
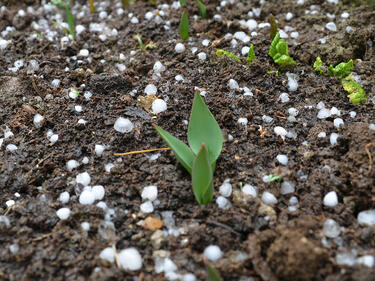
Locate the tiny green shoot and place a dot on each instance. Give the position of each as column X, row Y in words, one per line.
column 273, row 177
column 318, row 65
column 356, row 94
column 273, row 28
column 279, row 52
column 125, row 4
column 221, row 52
column 212, row 273
column 184, row 26
column 69, row 16
column 92, row 7
column 144, row 47
column 250, row 55
column 205, row 143
column 183, row 2
column 202, row 8
column 341, row 70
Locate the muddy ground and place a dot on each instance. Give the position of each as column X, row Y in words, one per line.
column 259, row 242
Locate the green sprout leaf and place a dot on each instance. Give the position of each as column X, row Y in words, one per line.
column 272, row 178
column 221, row 52
column 202, row 177
column 182, row 152
column 318, row 65
column 279, row 52
column 70, row 20
column 183, row 2
column 213, row 275
column 250, row 55
column 356, row 94
column 184, row 27
column 341, row 70
column 202, row 8
column 204, row 128
column 273, row 24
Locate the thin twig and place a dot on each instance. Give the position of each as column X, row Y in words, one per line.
column 141, row 151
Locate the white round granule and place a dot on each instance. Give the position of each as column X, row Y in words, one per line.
column 87, row 197
column 280, row 131
column 333, row 138
column 99, row 149
column 213, row 253
column 330, row 199
column 331, row 228
column 293, row 111
column 294, row 34
column 233, row 85
column 345, row 15
column 130, row 259
column 189, row 277
column 284, row 97
column 108, row 254
column 283, row 159
column 268, row 198
column 134, row 20
column 147, row 207
column 245, row 50
column 324, row 113
column 242, row 121
column 158, row 67
column 123, row 125
column 149, row 15
column 288, row 16
column 202, row 56
column 372, row 126
column 286, row 187
column 150, row 89
column 10, row 203
column 38, row 120
column 78, row 108
column 80, row 29
column 149, row 193
column 85, row 226
column 102, row 205
column 322, row 135
column 64, row 197
column 226, row 189
column 367, row 217
column 83, row 53
column 331, row 26
column 11, row 147
column 223, row 202
column 54, row 138
column 98, row 191
column 366, row 260
column 83, row 179
column 159, row 106
column 338, row 122
column 206, row 42
column 250, row 190
column 353, row 114
column 63, row 213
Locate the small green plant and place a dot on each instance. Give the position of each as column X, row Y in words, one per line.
column 250, row 55
column 356, row 94
column 279, row 52
column 221, row 52
column 272, row 178
column 69, row 16
column 205, row 140
column 341, row 70
column 184, row 26
column 202, row 8
column 273, row 28
column 144, row 47
column 212, row 273
column 318, row 65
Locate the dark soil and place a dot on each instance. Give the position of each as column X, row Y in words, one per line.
column 278, row 244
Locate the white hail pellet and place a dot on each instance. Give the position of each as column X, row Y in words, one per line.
column 333, row 138
column 78, row 108
column 371, row 126
column 226, row 189
column 243, row 121
column 330, row 199
column 280, row 131
column 108, row 254
column 320, row 105
column 87, row 197
column 179, row 48
column 242, row 36
column 292, row 82
column 179, row 78
column 120, row 66
column 367, row 217
column 85, row 226
column 11, row 147
column 10, row 203
column 331, row 228
column 353, row 114
column 294, row 34
column 335, row 111
column 366, row 260
column 268, row 198
column 38, row 120
column 233, row 85
column 159, row 106
column 267, row 119
column 251, row 190
column 324, row 113
column 130, row 259
column 149, row 15
column 206, row 42
column 73, row 93
column 223, row 202
column 338, row 122
column 287, row 187
column 98, row 191
column 63, row 213
column 83, row 179
column 64, row 197
column 202, row 56
column 345, row 15
column 80, row 29
column 331, row 26
column 150, row 89
column 288, row 16
column 213, row 253
column 293, row 111
column 189, row 277
column 123, row 125
column 284, row 97
column 245, row 50
column 99, row 149
column 134, row 20
column 322, row 135
column 149, row 193
column 147, row 207
column 83, row 53
column 283, row 159
column 108, row 167
column 158, row 67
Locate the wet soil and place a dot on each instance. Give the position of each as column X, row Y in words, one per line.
column 275, row 242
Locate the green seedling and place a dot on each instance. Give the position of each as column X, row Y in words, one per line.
column 144, row 47
column 92, row 7
column 69, row 16
column 356, row 94
column 276, row 72
column 184, row 26
column 221, row 52
column 272, row 178
column 318, row 65
column 202, row 8
column 250, row 55
column 279, row 52
column 212, row 273
column 273, row 29
column 205, row 141
column 341, row 70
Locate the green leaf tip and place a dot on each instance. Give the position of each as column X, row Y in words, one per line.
column 250, row 55
column 221, row 52
column 318, row 65
column 342, row 69
column 184, row 26
column 280, row 53
column 212, row 273
column 273, row 28
column 356, row 94
column 202, row 8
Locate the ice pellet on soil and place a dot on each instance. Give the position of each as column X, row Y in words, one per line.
column 267, row 119
column 251, row 190
column 293, row 201
column 108, row 254
column 149, row 193
column 85, row 160
column 79, row 29
column 242, row 121
column 4, row 222
column 108, row 167
column 123, row 125
column 372, row 126
column 64, row 197
column 242, row 36
column 11, row 147
column 292, row 82
column 4, row 43
column 202, row 56
column 158, row 67
column 245, row 50
column 283, row 159
column 73, row 94
column 87, row 197
column 120, row 66
column 149, row 15
column 130, row 259
column 330, row 199
column 38, row 120
column 63, row 213
column 78, row 108
column 102, row 205
column 331, row 26
column 268, row 198
column 85, row 226
column 159, row 106
column 150, row 89
column 367, row 217
column 98, row 191
column 212, row 253
column 288, row 16
column 206, row 42
column 189, row 277
column 223, row 202
column 226, row 189
column 179, row 78
column 367, row 260
column 83, row 179
column 280, row 131
column 338, row 122
column 322, row 135
column 10, row 203
column 346, row 258
column 179, row 48
column 324, row 113
column 283, row 34
column 293, row 111
column 284, row 97
column 233, row 84
column 333, row 138
column 99, row 149
column 83, row 53
column 287, row 187
column 335, row 111
column 331, row 228
column 14, row 248
column 147, row 207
